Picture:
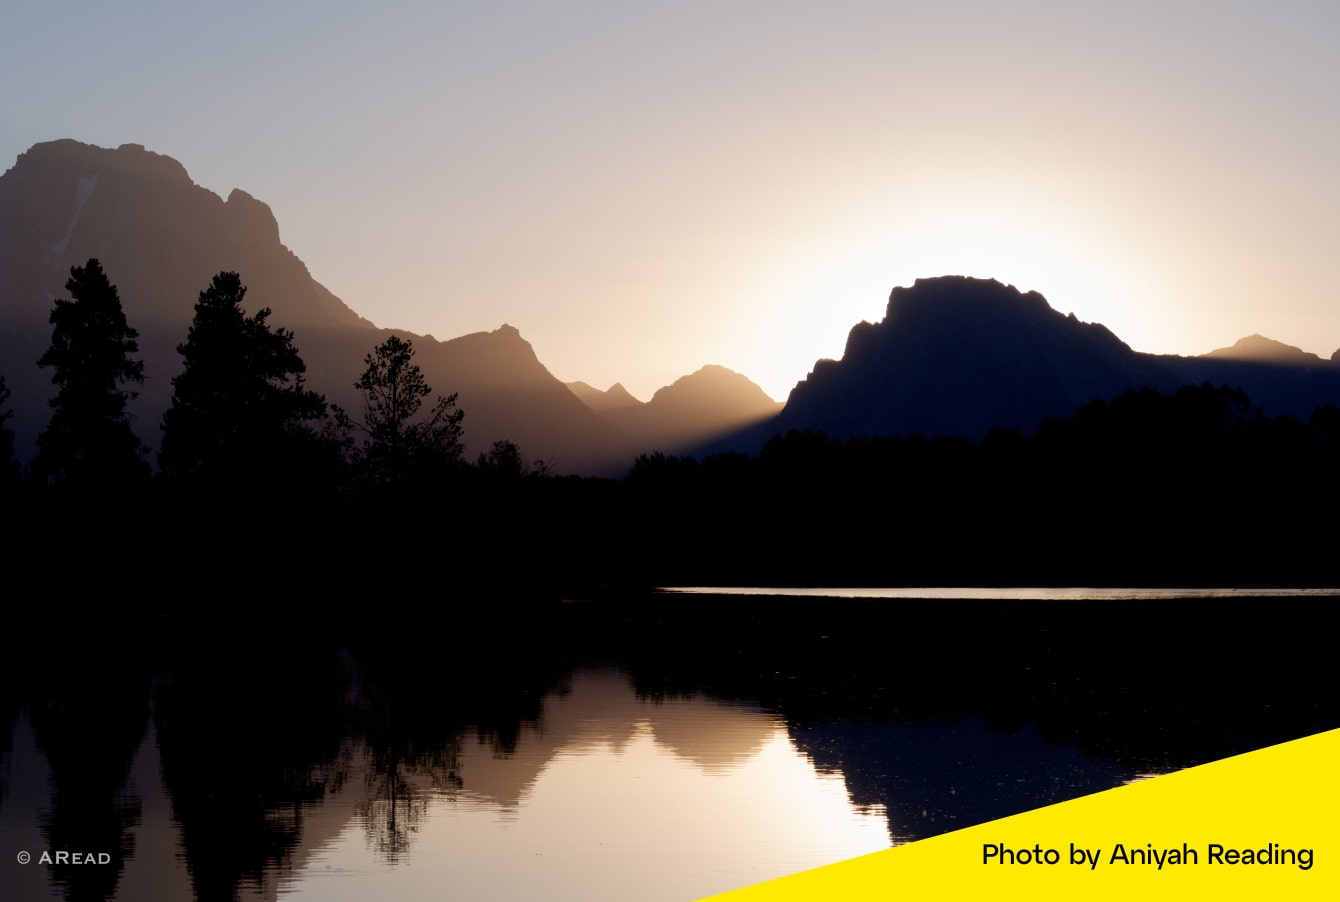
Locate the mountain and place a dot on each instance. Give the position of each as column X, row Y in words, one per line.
column 1259, row 349
column 694, row 411
column 953, row 355
column 161, row 238
column 1277, row 380
column 616, row 397
column 960, row 356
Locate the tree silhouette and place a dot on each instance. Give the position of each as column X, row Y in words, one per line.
column 9, row 464
column 395, row 444
column 240, row 401
column 89, row 440
column 505, row 461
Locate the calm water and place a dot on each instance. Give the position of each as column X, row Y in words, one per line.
column 1011, row 593
column 603, row 795
column 660, row 749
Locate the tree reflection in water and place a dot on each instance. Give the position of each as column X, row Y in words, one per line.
column 273, row 746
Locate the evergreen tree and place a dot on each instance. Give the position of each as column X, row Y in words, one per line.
column 239, row 405
column 89, row 441
column 396, row 445
column 9, row 464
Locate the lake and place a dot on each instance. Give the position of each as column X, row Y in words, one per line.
column 663, row 747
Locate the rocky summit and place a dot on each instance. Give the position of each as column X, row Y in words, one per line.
column 962, row 356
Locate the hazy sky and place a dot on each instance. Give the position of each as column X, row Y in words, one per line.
column 643, row 188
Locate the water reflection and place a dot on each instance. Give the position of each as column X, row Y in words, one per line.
column 941, row 775
column 599, row 793
column 611, row 796
column 613, row 752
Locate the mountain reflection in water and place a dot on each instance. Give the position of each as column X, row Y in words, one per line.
column 609, row 796
column 601, row 794
column 632, row 750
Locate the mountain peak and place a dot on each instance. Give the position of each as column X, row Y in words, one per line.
column 509, row 337
column 615, row 398
column 966, row 298
column 682, row 417
column 1260, row 349
column 89, row 159
column 958, row 355
column 258, row 217
column 717, row 386
column 162, row 166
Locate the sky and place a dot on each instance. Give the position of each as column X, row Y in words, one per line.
column 643, row 188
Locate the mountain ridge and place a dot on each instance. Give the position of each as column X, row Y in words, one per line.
column 1257, row 347
column 161, row 238
column 956, row 355
column 953, row 355
column 694, row 410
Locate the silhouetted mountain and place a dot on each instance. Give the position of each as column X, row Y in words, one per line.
column 1283, row 379
column 1266, row 350
column 961, row 356
column 615, row 398
column 953, row 355
column 161, row 239
column 696, row 410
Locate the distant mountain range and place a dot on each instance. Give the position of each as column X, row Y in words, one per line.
column 161, row 238
column 953, row 355
column 695, row 411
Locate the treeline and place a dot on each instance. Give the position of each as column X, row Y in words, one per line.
column 1194, row 488
column 265, row 488
column 259, row 480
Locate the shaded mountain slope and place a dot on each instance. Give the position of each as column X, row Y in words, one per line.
column 961, row 356
column 616, row 397
column 695, row 410
column 161, row 238
column 953, row 355
column 1260, row 349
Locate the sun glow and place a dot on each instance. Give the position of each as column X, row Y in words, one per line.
column 825, row 285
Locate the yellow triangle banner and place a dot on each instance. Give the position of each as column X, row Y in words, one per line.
column 1264, row 825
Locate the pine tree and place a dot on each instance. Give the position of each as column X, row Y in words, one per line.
column 88, row 441
column 239, row 405
column 397, row 444
column 9, row 464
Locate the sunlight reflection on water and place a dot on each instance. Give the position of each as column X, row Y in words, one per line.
column 712, row 758
column 669, row 800
column 1007, row 593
